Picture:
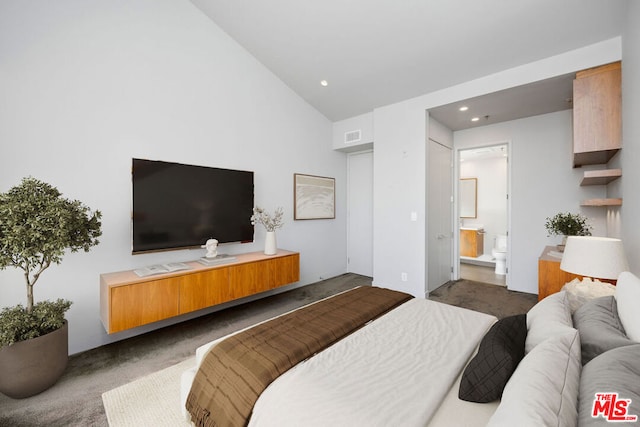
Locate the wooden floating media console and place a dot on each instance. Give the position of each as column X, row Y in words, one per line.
column 128, row 301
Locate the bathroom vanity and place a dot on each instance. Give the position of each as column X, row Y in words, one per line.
column 471, row 242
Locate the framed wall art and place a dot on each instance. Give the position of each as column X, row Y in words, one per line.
column 314, row 197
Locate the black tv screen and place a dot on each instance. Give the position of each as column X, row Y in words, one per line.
column 180, row 206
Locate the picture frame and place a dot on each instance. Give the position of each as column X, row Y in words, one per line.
column 314, row 197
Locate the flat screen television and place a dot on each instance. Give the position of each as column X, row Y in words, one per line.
column 181, row 206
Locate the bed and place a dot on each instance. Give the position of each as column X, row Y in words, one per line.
column 410, row 365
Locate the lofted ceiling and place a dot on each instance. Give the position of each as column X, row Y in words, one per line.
column 377, row 52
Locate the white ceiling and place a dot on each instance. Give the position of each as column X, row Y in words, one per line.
column 377, row 52
column 546, row 96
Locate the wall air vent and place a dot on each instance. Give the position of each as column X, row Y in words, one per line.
column 352, row 136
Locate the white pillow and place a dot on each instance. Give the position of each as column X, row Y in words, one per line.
column 548, row 318
column 543, row 391
column 628, row 301
column 580, row 291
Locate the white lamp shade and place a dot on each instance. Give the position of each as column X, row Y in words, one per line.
column 595, row 257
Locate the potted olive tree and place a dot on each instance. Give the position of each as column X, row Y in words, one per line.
column 37, row 226
column 567, row 224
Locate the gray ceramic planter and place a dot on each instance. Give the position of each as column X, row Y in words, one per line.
column 30, row 367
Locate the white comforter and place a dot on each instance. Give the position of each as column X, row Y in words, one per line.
column 393, row 372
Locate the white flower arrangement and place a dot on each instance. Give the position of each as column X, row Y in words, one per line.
column 271, row 223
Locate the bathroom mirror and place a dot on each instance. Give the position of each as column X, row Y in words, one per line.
column 468, row 191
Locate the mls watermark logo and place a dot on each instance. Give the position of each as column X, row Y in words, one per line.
column 612, row 408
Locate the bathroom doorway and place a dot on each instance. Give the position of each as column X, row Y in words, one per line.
column 483, row 213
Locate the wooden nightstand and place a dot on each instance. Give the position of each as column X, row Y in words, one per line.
column 550, row 278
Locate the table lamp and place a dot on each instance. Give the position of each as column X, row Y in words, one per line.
column 594, row 257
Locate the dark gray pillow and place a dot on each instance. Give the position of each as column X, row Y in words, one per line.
column 498, row 355
column 616, row 371
column 600, row 327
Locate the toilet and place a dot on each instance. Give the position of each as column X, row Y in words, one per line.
column 499, row 252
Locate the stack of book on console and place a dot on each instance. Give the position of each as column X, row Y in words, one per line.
column 161, row 268
column 219, row 259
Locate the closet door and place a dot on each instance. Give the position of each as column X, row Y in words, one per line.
column 360, row 214
column 439, row 227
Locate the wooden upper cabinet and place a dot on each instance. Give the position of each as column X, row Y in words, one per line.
column 597, row 114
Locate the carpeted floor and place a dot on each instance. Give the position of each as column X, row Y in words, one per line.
column 490, row 299
column 76, row 399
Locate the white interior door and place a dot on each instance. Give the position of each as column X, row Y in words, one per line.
column 360, row 213
column 439, row 228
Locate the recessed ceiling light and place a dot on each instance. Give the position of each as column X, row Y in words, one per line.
column 463, row 108
column 324, row 83
column 475, row 119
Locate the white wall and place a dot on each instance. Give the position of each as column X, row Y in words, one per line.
column 440, row 133
column 86, row 86
column 399, row 188
column 362, row 123
column 627, row 186
column 400, row 167
column 543, row 183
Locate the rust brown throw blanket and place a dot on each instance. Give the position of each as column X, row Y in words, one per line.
column 236, row 371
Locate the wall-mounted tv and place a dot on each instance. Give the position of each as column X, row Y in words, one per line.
column 181, row 206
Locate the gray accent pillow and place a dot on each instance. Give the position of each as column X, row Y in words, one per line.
column 600, row 327
column 616, row 371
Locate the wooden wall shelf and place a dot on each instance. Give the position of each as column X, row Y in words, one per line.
column 601, row 202
column 600, row 177
column 128, row 301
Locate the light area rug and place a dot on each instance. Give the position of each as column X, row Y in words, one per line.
column 153, row 400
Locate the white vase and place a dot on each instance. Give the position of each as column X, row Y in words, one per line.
column 270, row 246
